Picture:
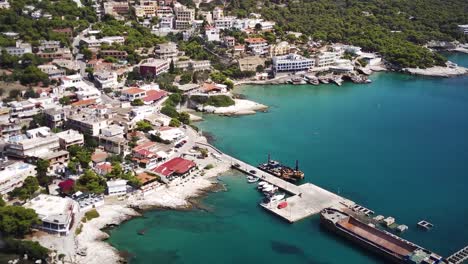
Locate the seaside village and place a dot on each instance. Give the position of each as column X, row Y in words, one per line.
column 95, row 134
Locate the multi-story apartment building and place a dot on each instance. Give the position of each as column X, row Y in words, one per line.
column 193, row 65
column 36, row 143
column 184, row 17
column 19, row 49
column 118, row 54
column 106, row 79
column 292, row 63
column 166, row 51
column 279, row 49
column 257, row 46
column 146, row 9
column 225, row 22
column 163, row 11
column 326, row 59
column 153, row 67
column 69, row 138
column 13, row 173
column 87, row 124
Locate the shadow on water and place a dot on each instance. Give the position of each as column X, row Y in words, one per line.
column 290, row 249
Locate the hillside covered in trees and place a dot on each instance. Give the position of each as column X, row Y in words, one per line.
column 395, row 28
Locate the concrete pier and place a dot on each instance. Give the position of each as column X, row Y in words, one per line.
column 306, row 200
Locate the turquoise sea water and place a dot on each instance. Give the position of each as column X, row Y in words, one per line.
column 398, row 146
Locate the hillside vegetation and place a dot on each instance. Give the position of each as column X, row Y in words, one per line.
column 395, row 28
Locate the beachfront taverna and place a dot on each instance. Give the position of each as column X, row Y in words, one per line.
column 56, row 213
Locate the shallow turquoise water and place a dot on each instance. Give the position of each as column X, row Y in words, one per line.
column 398, row 146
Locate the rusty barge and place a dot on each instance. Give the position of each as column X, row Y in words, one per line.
column 394, row 248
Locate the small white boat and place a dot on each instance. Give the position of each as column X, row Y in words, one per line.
column 264, row 186
column 269, row 188
column 251, row 179
column 262, row 183
column 277, row 197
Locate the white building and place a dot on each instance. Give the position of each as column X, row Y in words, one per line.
column 13, row 173
column 225, row 22
column 56, row 213
column 19, row 49
column 166, row 22
column 69, row 138
column 36, row 143
column 169, row 133
column 117, row 187
column 212, row 34
column 326, row 59
column 106, row 79
column 257, row 46
column 292, row 62
column 52, row 71
column 112, row 131
column 201, row 65
column 166, row 51
column 132, row 94
column 218, row 13
column 463, row 29
column 184, row 16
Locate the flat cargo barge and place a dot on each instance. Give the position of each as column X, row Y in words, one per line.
column 385, row 244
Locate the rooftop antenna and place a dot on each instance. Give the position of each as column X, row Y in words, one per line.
column 297, row 165
column 268, row 158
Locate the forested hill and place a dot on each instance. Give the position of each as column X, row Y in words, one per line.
column 395, row 28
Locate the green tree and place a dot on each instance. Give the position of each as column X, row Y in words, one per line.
column 72, row 166
column 144, row 126
column 137, row 102
column 172, row 67
column 42, row 167
column 91, row 182
column 33, row 249
column 2, row 202
column 17, row 221
column 25, row 192
column 174, row 122
column 65, row 100
column 186, row 78
column 169, row 111
column 38, row 120
column 184, row 117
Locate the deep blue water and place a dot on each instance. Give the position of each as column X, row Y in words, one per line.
column 398, row 146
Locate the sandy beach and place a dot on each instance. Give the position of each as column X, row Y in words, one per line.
column 241, row 107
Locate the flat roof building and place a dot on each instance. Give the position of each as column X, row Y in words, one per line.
column 292, row 63
column 13, row 173
column 69, row 138
column 56, row 213
column 153, row 67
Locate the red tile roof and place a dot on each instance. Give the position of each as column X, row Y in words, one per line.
column 99, row 157
column 153, row 95
column 255, row 40
column 133, row 90
column 175, row 165
column 145, row 145
column 105, row 167
column 84, row 102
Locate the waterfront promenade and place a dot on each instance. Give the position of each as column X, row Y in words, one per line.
column 305, row 200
